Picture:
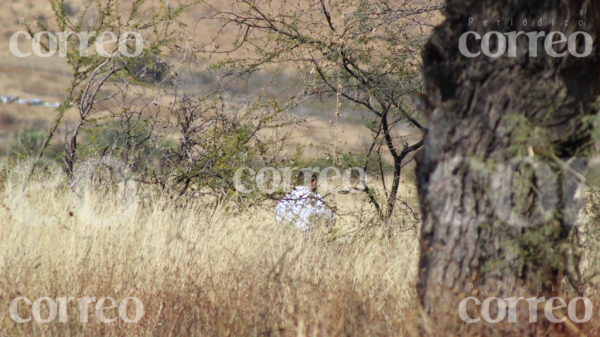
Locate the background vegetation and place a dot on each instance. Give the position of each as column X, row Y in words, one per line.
column 127, row 189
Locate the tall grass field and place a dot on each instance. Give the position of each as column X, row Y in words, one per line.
column 197, row 270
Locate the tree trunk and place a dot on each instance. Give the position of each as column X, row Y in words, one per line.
column 507, row 143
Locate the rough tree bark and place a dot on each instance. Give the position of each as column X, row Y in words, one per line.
column 496, row 179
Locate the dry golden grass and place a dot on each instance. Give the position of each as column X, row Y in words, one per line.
column 198, row 271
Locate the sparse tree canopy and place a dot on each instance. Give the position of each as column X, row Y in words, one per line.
column 362, row 53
